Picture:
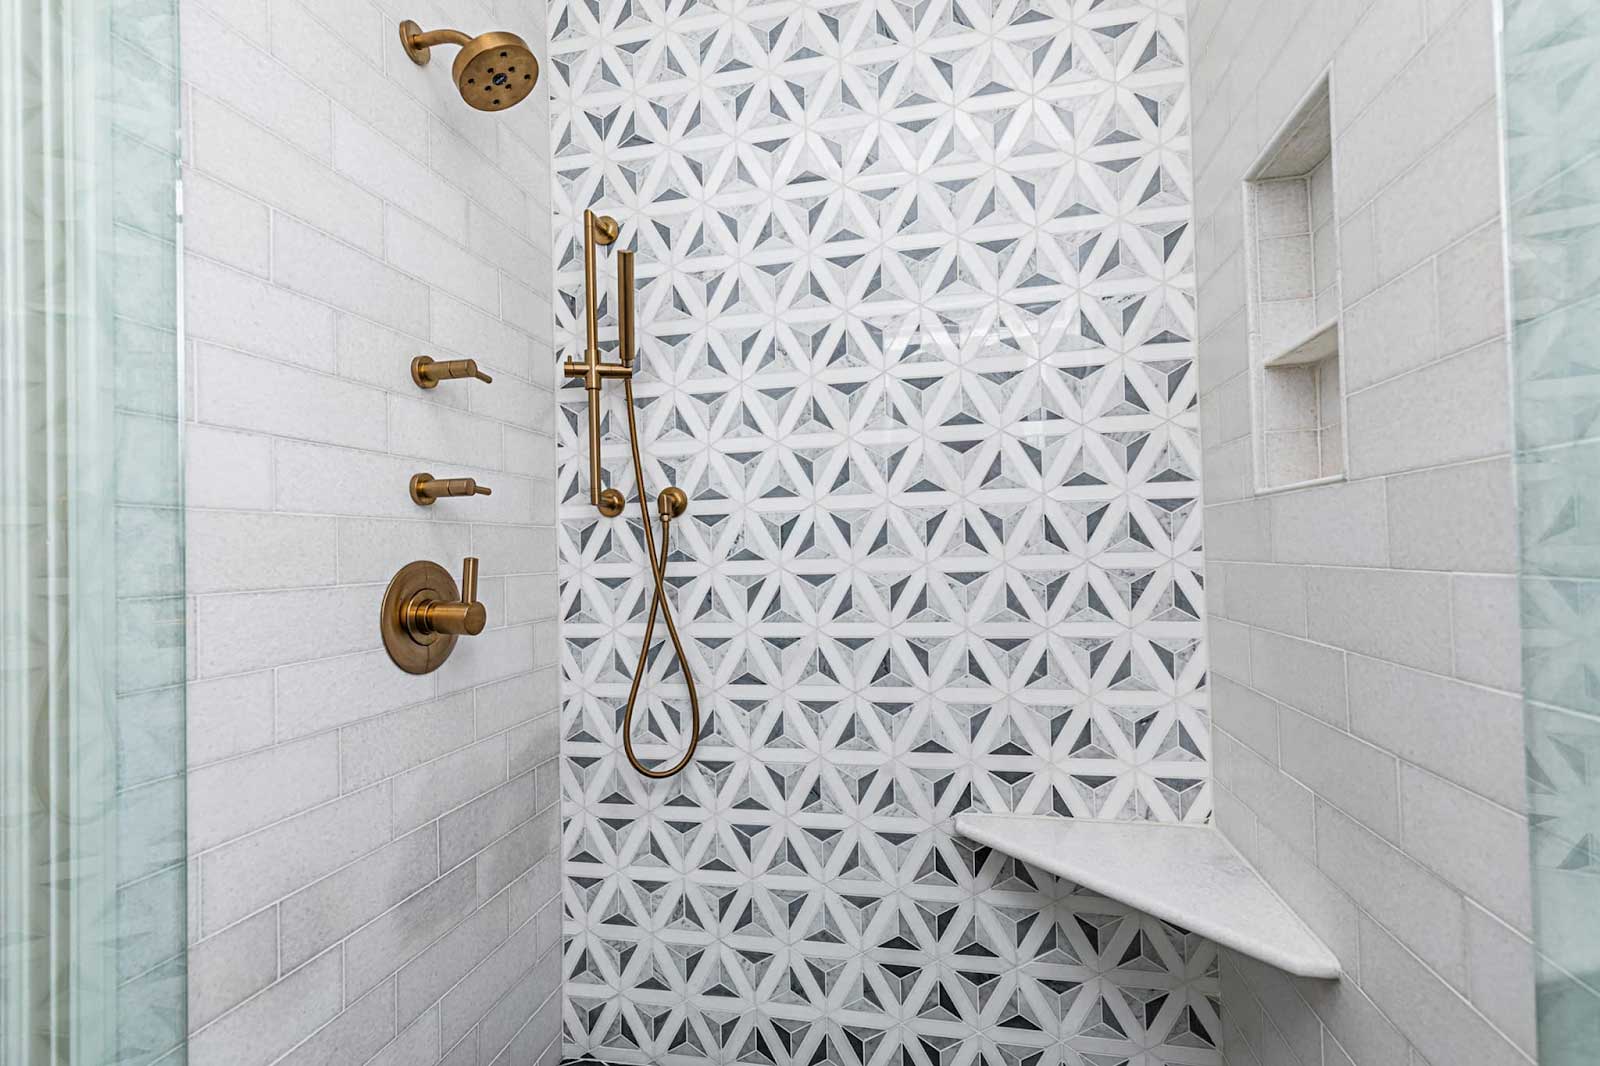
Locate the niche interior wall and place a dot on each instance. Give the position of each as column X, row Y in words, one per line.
column 915, row 316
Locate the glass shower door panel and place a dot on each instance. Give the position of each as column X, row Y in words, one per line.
column 1551, row 67
column 93, row 910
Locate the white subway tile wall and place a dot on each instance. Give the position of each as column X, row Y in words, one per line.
column 1364, row 635
column 374, row 869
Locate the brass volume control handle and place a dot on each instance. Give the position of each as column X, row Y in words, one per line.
column 427, row 373
column 426, row 617
column 423, row 614
column 425, row 488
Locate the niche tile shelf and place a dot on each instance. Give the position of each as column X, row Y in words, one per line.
column 1291, row 242
column 1319, row 344
column 1185, row 874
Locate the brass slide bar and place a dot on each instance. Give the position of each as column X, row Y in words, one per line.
column 600, row 229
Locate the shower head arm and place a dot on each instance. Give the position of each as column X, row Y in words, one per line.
column 419, row 44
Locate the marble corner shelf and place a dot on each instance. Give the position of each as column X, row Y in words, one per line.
column 1185, row 874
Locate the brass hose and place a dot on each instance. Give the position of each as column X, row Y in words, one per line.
column 658, row 571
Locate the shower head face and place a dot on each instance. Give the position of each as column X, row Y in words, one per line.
column 495, row 71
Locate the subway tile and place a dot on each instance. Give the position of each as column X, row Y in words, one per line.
column 1454, row 518
column 1478, row 847
column 1359, row 779
column 241, row 311
column 503, row 704
column 235, row 150
column 231, row 798
column 1465, row 734
column 1326, row 909
column 321, row 914
column 1268, row 596
column 382, row 946
column 228, row 716
column 1472, row 307
column 230, row 967
column 534, row 743
column 497, row 974
column 245, row 875
column 264, row 1028
column 1398, row 615
column 529, row 1011
column 1246, row 715
column 425, row 793
column 1309, row 677
column 1354, row 1021
column 373, row 549
column 1330, row 525
column 464, row 165
column 493, row 655
column 356, row 1035
column 242, row 392
column 310, row 262
column 471, row 827
column 1452, row 77
column 1485, row 617
column 426, row 978
column 1432, row 1014
column 531, row 597
column 401, row 178
column 1390, row 886
column 464, row 328
column 1414, row 221
column 323, row 694
column 244, row 631
column 223, row 224
column 438, row 259
column 1289, row 1031
column 1453, row 410
column 375, row 354
column 382, row 746
column 233, row 551
column 1501, row 979
column 225, row 468
column 300, row 43
column 1394, row 330
column 1240, row 531
column 1278, row 801
column 224, row 65
column 542, row 1031
column 1378, row 48
column 437, row 434
column 417, row 1045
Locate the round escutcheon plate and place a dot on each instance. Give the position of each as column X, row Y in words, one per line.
column 415, row 583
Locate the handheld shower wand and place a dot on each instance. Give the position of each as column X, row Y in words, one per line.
column 672, row 503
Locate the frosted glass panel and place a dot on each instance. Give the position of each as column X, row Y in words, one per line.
column 1552, row 92
column 92, row 876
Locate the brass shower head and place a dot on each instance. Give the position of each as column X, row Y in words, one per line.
column 493, row 71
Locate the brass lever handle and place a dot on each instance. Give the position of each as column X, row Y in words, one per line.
column 425, row 617
column 425, row 488
column 423, row 614
column 427, row 373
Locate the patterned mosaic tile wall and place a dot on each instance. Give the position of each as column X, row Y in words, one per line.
column 915, row 317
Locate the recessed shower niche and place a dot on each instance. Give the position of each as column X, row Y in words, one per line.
column 1291, row 242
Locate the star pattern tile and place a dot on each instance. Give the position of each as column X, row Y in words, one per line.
column 915, row 322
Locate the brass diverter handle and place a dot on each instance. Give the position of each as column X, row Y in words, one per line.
column 425, row 488
column 424, row 614
column 427, row 373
